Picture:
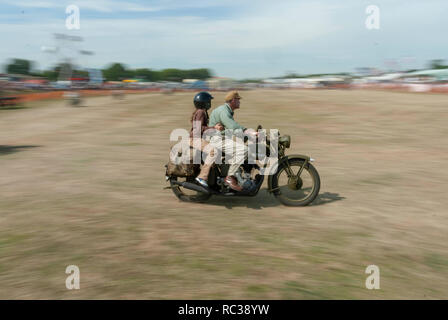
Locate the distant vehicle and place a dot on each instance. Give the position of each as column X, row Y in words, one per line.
column 8, row 101
column 73, row 98
column 95, row 77
column 199, row 85
column 61, row 84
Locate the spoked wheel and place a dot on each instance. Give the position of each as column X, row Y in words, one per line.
column 292, row 190
column 188, row 195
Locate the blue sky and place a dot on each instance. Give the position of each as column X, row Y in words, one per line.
column 239, row 39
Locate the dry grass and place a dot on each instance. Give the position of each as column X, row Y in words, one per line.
column 84, row 186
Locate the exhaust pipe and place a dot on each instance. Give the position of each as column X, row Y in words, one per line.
column 191, row 186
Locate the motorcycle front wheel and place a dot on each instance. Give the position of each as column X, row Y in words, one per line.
column 292, row 190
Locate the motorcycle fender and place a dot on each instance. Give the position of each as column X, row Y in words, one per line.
column 283, row 160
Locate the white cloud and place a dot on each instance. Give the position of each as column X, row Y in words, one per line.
column 32, row 4
column 96, row 5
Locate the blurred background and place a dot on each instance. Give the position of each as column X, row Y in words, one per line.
column 172, row 45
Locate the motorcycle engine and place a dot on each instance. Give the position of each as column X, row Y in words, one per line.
column 244, row 180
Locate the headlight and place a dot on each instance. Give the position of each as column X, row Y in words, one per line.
column 285, row 141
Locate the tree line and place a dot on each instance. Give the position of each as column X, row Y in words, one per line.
column 119, row 71
column 113, row 72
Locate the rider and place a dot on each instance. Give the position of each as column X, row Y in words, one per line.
column 224, row 115
column 199, row 120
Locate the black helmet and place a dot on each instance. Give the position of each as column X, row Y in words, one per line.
column 203, row 100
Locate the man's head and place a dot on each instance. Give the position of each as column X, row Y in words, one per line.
column 233, row 99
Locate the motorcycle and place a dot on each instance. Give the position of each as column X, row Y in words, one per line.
column 295, row 181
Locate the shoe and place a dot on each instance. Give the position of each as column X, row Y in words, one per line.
column 202, row 182
column 232, row 183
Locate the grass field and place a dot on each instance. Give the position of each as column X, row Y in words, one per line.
column 84, row 186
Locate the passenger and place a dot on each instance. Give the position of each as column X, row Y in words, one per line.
column 199, row 120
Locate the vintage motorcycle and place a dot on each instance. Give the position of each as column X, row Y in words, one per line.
column 296, row 182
